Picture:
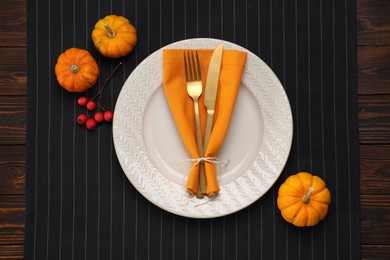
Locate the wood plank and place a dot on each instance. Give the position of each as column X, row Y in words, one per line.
column 12, row 219
column 13, row 17
column 11, row 236
column 374, row 169
column 11, row 252
column 375, row 215
column 13, row 71
column 12, row 209
column 13, row 120
column 374, row 70
column 12, row 170
column 374, row 119
column 373, row 22
column 373, row 252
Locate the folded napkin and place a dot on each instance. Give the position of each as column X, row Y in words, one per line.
column 182, row 107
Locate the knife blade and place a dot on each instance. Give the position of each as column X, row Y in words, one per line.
column 211, row 90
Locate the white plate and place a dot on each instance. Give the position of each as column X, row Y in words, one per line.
column 153, row 156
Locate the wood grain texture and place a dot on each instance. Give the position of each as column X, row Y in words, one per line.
column 13, row 71
column 12, row 215
column 12, row 170
column 375, row 252
column 11, row 252
column 375, row 169
column 374, row 119
column 12, row 211
column 374, row 70
column 11, row 236
column 373, row 22
column 375, row 215
column 13, row 19
column 13, row 120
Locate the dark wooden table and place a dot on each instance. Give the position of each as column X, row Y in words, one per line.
column 373, row 33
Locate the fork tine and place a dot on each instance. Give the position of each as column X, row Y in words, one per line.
column 199, row 75
column 192, row 66
column 186, row 67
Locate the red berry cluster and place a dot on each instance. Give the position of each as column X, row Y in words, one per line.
column 99, row 116
column 96, row 113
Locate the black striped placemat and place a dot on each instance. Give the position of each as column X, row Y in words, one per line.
column 81, row 206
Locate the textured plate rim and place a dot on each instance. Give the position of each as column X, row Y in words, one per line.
column 234, row 196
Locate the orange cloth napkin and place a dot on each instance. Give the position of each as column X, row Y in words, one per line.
column 182, row 107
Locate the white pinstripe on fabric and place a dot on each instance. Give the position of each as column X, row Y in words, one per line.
column 309, row 110
column 322, row 110
column 48, row 141
column 86, row 153
column 74, row 143
column 61, row 143
column 99, row 165
column 111, row 159
column 335, row 129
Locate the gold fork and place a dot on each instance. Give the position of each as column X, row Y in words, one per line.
column 194, row 90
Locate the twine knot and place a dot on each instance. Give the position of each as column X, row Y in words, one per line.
column 214, row 160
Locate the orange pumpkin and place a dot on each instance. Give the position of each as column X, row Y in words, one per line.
column 303, row 199
column 114, row 36
column 76, row 70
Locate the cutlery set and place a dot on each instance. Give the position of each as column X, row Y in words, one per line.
column 194, row 89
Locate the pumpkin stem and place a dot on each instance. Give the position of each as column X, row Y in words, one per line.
column 306, row 198
column 74, row 68
column 111, row 32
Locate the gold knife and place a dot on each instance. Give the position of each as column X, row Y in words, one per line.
column 209, row 101
column 211, row 90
